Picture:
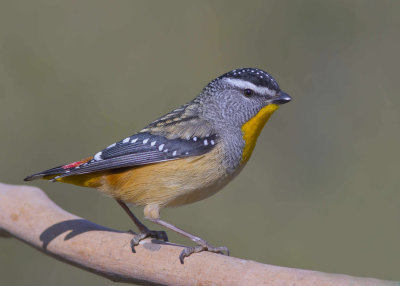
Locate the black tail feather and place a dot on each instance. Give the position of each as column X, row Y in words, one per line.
column 54, row 171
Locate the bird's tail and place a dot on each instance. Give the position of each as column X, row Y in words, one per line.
column 86, row 180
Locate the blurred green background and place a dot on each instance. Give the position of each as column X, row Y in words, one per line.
column 321, row 191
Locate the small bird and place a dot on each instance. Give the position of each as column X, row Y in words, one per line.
column 184, row 156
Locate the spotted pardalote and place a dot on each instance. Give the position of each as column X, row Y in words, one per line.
column 184, row 156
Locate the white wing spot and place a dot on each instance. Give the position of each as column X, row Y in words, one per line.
column 194, row 138
column 112, row 145
column 205, row 142
column 166, row 150
column 212, row 142
column 153, row 143
column 160, row 147
column 126, row 140
column 67, row 171
column 134, row 140
column 174, row 153
column 186, row 153
column 97, row 157
column 145, row 140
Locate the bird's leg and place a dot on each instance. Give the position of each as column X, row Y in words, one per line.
column 144, row 231
column 202, row 245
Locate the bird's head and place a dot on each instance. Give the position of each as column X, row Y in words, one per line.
column 238, row 96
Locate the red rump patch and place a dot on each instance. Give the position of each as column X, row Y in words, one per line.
column 76, row 164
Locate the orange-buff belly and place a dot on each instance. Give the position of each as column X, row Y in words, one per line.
column 169, row 183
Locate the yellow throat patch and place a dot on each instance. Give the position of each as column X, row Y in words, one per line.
column 252, row 128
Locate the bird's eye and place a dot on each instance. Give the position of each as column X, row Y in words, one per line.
column 248, row 92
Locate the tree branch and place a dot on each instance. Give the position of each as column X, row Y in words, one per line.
column 29, row 215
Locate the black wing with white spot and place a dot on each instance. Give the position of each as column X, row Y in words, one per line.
column 141, row 149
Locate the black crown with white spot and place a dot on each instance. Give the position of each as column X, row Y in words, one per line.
column 255, row 76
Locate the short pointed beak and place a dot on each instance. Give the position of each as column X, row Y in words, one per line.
column 281, row 98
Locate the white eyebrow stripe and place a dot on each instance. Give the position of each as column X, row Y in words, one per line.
column 243, row 84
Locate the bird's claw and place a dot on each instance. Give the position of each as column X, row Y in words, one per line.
column 202, row 247
column 157, row 234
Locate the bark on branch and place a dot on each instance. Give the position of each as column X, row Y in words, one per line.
column 29, row 215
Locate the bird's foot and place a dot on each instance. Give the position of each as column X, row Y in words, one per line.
column 157, row 234
column 202, row 246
